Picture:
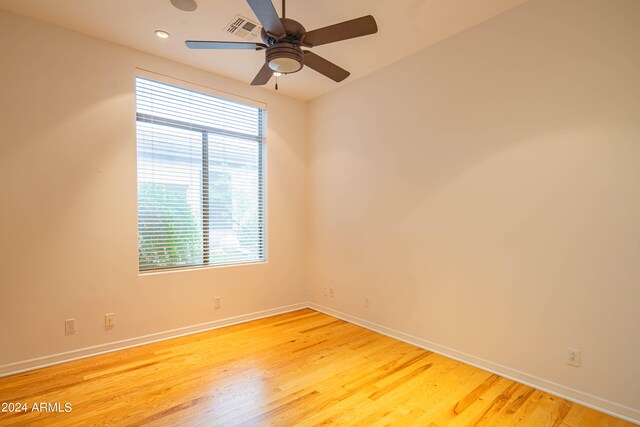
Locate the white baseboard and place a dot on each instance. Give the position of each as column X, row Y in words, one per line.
column 589, row 400
column 81, row 353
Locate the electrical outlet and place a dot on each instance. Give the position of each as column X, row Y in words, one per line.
column 326, row 292
column 332, row 292
column 367, row 302
column 573, row 357
column 70, row 326
column 109, row 320
column 216, row 302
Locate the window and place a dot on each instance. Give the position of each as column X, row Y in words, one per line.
column 200, row 178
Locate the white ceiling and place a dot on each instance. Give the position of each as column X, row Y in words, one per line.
column 405, row 27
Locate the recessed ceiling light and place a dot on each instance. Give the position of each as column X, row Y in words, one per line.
column 162, row 34
column 185, row 5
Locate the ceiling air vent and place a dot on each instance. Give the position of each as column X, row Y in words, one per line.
column 243, row 28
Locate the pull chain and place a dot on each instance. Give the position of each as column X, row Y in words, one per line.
column 276, row 75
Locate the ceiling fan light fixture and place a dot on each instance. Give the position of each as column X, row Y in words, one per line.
column 285, row 57
column 285, row 65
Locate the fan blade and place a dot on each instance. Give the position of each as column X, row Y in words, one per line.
column 266, row 14
column 343, row 31
column 325, row 67
column 196, row 44
column 263, row 76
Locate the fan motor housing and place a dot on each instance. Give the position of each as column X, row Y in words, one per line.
column 293, row 29
column 284, row 54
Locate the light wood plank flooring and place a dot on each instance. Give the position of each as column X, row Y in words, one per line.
column 302, row 368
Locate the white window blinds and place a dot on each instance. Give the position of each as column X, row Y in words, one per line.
column 200, row 178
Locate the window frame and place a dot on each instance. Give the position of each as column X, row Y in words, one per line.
column 205, row 172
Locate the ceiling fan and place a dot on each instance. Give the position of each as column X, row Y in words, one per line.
column 284, row 38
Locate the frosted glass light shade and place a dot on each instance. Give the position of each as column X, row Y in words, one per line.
column 284, row 65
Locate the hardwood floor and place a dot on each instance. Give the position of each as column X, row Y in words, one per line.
column 300, row 368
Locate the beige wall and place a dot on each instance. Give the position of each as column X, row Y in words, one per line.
column 68, row 218
column 485, row 193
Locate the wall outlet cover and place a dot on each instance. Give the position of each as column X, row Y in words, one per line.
column 70, row 326
column 573, row 357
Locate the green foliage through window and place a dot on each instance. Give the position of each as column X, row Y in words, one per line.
column 169, row 234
